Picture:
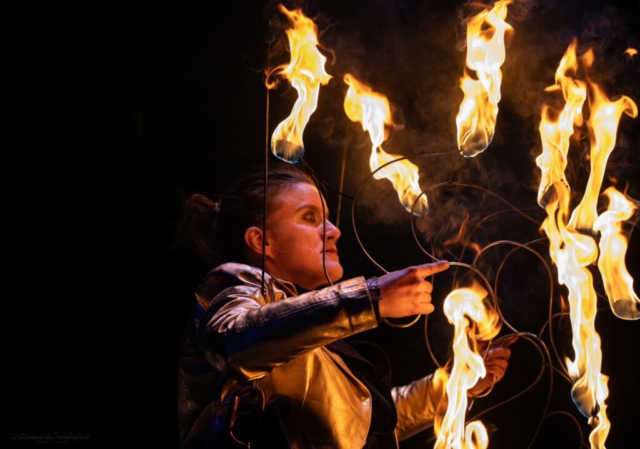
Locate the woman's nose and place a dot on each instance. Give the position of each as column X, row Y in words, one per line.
column 333, row 233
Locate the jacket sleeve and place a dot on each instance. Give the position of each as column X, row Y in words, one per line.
column 417, row 404
column 245, row 335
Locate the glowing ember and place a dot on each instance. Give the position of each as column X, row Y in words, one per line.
column 462, row 306
column 306, row 73
column 618, row 283
column 476, row 119
column 572, row 251
column 372, row 110
column 631, row 52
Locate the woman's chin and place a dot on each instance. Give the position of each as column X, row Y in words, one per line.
column 335, row 272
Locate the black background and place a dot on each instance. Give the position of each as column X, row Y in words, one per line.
column 139, row 103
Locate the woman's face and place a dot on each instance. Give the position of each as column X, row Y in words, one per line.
column 294, row 236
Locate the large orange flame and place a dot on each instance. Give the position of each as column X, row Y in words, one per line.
column 603, row 125
column 572, row 251
column 306, row 73
column 462, row 307
column 371, row 109
column 476, row 119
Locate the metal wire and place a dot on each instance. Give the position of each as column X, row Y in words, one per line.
column 546, row 363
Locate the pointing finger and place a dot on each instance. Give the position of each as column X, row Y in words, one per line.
column 432, row 268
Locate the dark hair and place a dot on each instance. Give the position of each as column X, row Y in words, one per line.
column 216, row 226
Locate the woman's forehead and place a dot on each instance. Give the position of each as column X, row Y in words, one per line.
column 299, row 196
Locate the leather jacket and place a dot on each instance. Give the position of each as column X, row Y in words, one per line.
column 277, row 341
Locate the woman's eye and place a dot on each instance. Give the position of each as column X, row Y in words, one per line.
column 310, row 217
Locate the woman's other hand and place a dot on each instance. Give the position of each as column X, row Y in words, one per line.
column 496, row 362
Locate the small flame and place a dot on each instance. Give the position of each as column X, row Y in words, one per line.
column 372, row 110
column 476, row 119
column 458, row 238
column 462, row 306
column 631, row 52
column 564, row 304
column 306, row 73
column 618, row 283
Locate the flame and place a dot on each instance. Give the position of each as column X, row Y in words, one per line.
column 572, row 251
column 458, row 238
column 461, row 306
column 306, row 73
column 564, row 304
column 618, row 283
column 631, row 52
column 603, row 125
column 555, row 133
column 372, row 110
column 476, row 119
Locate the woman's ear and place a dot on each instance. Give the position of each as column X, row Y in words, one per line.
column 253, row 239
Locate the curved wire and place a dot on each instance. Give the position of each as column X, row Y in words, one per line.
column 355, row 196
column 484, row 219
column 512, row 208
column 574, row 420
column 549, row 323
column 415, row 320
column 534, row 340
column 400, row 326
column 544, row 355
column 504, row 260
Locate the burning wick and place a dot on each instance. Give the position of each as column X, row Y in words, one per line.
column 287, row 151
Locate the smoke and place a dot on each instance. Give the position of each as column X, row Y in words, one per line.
column 413, row 52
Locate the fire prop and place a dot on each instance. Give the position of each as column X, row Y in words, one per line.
column 573, row 251
column 372, row 110
column 306, row 73
column 476, row 119
column 572, row 235
column 461, row 307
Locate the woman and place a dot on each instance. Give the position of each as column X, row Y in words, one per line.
column 275, row 337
